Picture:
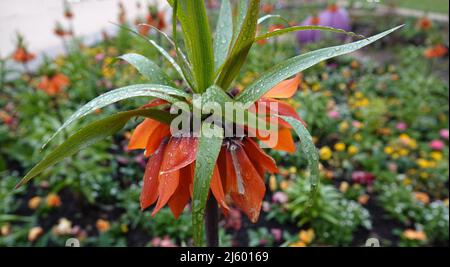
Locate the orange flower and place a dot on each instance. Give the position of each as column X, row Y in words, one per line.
column 424, row 23
column 436, row 51
column 414, row 235
column 422, row 197
column 54, row 84
column 102, row 225
column 53, row 200
column 21, row 55
column 238, row 176
column 267, row 8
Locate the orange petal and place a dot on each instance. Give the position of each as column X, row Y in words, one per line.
column 149, row 193
column 217, row 188
column 160, row 132
column 155, row 103
column 140, row 136
column 285, row 141
column 259, row 156
column 250, row 201
column 168, row 182
column 186, row 151
column 180, row 198
column 277, row 107
column 285, row 89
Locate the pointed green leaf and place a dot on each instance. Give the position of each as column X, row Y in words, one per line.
column 299, row 63
column 162, row 51
column 198, row 40
column 209, row 145
column 308, row 148
column 304, row 28
column 268, row 17
column 151, row 90
column 241, row 47
column 90, row 135
column 224, row 34
column 147, row 68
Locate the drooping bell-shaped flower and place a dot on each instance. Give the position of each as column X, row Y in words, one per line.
column 336, row 17
column 304, row 37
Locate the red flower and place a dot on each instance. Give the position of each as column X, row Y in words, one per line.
column 436, row 51
column 239, row 173
column 21, row 55
column 54, row 84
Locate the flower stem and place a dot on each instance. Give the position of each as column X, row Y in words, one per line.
column 212, row 223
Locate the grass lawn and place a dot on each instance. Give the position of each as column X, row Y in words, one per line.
column 440, row 6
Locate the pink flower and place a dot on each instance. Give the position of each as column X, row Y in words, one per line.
column 362, row 177
column 401, row 126
column 99, row 57
column 234, row 220
column 167, row 242
column 277, row 233
column 444, row 134
column 279, row 197
column 437, row 145
column 333, row 114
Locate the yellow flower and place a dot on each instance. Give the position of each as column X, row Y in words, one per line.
column 339, row 147
column 407, row 181
column 273, row 183
column 446, row 202
column 343, row 126
column 358, row 137
column 315, row 87
column 293, row 170
column 423, row 163
column 424, row 175
column 325, row 153
column 298, row 244
column 403, row 152
column 124, row 228
column 34, row 202
column 352, row 150
column 343, row 187
column 306, row 236
column 436, row 155
column 388, row 150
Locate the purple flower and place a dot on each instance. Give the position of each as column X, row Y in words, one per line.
column 335, row 17
column 444, row 134
column 437, row 145
column 304, row 37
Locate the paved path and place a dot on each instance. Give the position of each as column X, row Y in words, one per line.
column 36, row 20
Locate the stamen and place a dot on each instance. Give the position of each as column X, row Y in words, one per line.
column 237, row 169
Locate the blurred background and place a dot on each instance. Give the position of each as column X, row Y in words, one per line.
column 379, row 118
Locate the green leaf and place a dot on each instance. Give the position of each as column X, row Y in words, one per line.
column 147, row 68
column 241, row 47
column 224, row 34
column 162, row 51
column 152, row 90
column 209, row 145
column 215, row 94
column 198, row 40
column 305, row 28
column 268, row 17
column 309, row 149
column 89, row 135
column 299, row 63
